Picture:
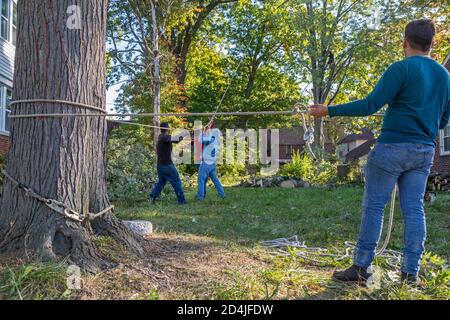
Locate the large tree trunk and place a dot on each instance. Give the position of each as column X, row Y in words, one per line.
column 59, row 158
column 318, row 122
column 251, row 81
column 181, row 54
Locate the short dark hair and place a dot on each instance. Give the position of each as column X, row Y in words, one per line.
column 420, row 34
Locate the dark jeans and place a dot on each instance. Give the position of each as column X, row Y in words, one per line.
column 168, row 173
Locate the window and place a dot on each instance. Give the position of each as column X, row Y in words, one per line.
column 5, row 110
column 8, row 20
column 14, row 23
column 445, row 141
column 4, row 24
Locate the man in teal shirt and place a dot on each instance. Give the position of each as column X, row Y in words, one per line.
column 417, row 92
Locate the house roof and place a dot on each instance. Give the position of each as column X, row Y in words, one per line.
column 360, row 151
column 365, row 135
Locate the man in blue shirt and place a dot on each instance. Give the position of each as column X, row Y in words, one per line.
column 417, row 92
column 210, row 141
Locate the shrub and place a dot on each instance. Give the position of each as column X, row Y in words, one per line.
column 234, row 170
column 303, row 167
column 355, row 174
column 130, row 168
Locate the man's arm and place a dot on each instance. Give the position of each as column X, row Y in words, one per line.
column 169, row 139
column 181, row 138
column 207, row 137
column 207, row 140
column 384, row 92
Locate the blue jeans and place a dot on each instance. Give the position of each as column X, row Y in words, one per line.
column 408, row 165
column 208, row 171
column 168, row 173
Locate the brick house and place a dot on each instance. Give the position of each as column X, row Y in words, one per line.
column 354, row 146
column 442, row 157
column 291, row 141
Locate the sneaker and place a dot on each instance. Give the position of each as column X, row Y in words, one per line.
column 152, row 200
column 352, row 274
column 182, row 202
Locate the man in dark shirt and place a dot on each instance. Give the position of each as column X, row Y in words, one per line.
column 167, row 172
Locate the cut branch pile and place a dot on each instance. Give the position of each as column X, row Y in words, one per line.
column 438, row 182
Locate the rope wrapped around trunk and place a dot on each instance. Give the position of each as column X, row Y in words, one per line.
column 58, row 206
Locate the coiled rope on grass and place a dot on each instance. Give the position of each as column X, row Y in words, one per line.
column 317, row 255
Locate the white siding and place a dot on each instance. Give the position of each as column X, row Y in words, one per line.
column 7, row 49
column 7, row 53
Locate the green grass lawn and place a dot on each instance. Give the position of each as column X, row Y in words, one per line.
column 321, row 217
column 211, row 250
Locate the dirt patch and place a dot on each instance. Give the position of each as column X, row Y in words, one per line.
column 175, row 265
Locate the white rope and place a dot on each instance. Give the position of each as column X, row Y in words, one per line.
column 390, row 223
column 316, row 255
column 56, row 205
column 52, row 101
column 141, row 124
column 181, row 114
column 308, row 130
column 308, row 136
column 103, row 113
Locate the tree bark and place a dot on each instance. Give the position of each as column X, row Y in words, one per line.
column 253, row 69
column 319, row 140
column 59, row 158
column 156, row 74
column 180, row 49
column 250, row 83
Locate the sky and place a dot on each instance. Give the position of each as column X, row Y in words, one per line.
column 113, row 91
column 111, row 95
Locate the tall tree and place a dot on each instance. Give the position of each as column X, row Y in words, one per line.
column 156, row 71
column 59, row 158
column 239, row 53
column 131, row 33
column 378, row 48
column 317, row 45
column 181, row 36
column 332, row 36
column 255, row 31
